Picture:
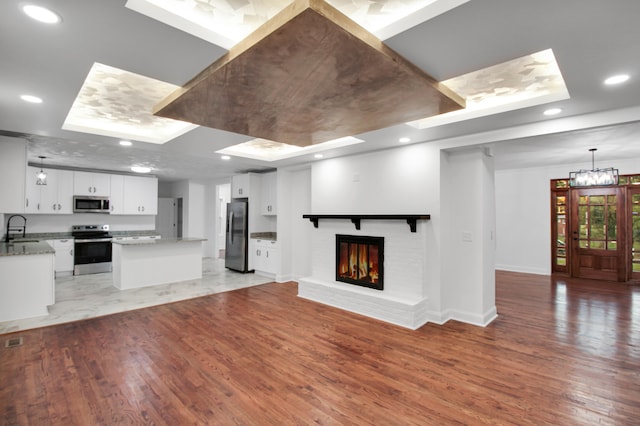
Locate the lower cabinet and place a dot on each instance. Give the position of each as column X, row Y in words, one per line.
column 265, row 256
column 64, row 255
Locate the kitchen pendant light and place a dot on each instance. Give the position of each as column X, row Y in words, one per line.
column 41, row 175
column 593, row 177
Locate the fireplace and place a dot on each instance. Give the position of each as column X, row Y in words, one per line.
column 360, row 260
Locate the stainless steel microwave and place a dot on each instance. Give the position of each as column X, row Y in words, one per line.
column 89, row 204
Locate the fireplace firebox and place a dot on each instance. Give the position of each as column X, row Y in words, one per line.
column 360, row 260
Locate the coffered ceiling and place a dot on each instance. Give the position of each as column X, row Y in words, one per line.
column 489, row 52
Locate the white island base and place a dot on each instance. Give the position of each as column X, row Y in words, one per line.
column 152, row 262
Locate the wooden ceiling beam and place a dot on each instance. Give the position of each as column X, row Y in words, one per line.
column 307, row 76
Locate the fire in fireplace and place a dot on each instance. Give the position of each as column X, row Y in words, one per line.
column 360, row 260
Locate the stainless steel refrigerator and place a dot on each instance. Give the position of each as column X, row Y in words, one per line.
column 237, row 238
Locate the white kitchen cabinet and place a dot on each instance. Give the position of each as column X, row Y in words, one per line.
column 116, row 199
column 64, row 255
column 95, row 184
column 268, row 194
column 140, row 195
column 240, row 186
column 56, row 197
column 265, row 256
column 13, row 164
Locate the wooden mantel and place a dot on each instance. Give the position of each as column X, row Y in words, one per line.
column 356, row 218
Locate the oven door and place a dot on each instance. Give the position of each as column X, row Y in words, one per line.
column 91, row 256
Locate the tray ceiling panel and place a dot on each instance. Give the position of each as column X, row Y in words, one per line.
column 308, row 76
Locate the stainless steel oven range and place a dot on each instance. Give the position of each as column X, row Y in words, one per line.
column 92, row 249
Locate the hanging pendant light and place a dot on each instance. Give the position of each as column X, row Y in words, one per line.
column 594, row 177
column 41, row 175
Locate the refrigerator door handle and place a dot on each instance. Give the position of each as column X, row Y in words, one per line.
column 231, row 226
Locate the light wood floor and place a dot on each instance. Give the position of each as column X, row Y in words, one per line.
column 561, row 352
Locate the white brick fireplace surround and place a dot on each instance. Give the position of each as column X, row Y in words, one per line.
column 445, row 270
column 402, row 301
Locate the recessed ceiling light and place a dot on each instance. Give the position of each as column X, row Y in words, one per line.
column 318, row 156
column 140, row 169
column 125, row 143
column 404, row 140
column 616, row 79
column 32, row 99
column 553, row 111
column 41, row 14
column 225, row 157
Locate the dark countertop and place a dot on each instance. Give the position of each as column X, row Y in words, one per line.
column 162, row 241
column 271, row 236
column 25, row 248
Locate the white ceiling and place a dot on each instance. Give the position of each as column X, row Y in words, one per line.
column 591, row 40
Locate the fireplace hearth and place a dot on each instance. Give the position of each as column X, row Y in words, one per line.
column 360, row 260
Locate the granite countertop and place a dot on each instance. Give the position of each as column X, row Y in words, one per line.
column 25, row 248
column 271, row 236
column 162, row 241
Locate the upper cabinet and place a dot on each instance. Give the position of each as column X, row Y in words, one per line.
column 13, row 163
column 140, row 195
column 240, row 186
column 268, row 196
column 87, row 183
column 56, row 197
column 116, row 199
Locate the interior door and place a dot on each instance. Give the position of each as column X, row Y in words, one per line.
column 598, row 234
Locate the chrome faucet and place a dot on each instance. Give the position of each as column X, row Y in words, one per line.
column 23, row 228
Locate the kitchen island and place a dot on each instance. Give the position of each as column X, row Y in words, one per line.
column 27, row 282
column 143, row 263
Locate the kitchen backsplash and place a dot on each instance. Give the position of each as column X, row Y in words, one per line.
column 42, row 223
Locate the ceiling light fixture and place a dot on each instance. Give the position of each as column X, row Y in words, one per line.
column 318, row 156
column 404, row 140
column 41, row 14
column 140, row 169
column 553, row 111
column 593, row 177
column 225, row 157
column 125, row 143
column 41, row 176
column 616, row 79
column 31, row 99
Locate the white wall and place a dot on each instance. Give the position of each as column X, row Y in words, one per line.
column 468, row 278
column 523, row 214
column 198, row 209
column 294, row 232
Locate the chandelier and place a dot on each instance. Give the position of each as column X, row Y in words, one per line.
column 594, row 177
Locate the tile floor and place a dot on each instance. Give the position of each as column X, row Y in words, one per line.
column 88, row 296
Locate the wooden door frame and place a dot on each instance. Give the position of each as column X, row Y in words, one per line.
column 621, row 230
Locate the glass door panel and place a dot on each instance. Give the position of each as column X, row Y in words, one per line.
column 634, row 196
column 597, row 252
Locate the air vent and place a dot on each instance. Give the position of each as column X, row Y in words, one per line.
column 13, row 342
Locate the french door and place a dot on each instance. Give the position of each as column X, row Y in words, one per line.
column 598, row 233
column 633, row 200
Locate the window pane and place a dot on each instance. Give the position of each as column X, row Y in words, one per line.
column 582, row 221
column 584, row 199
column 561, row 199
column 612, row 233
column 596, row 199
column 596, row 222
column 596, row 244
